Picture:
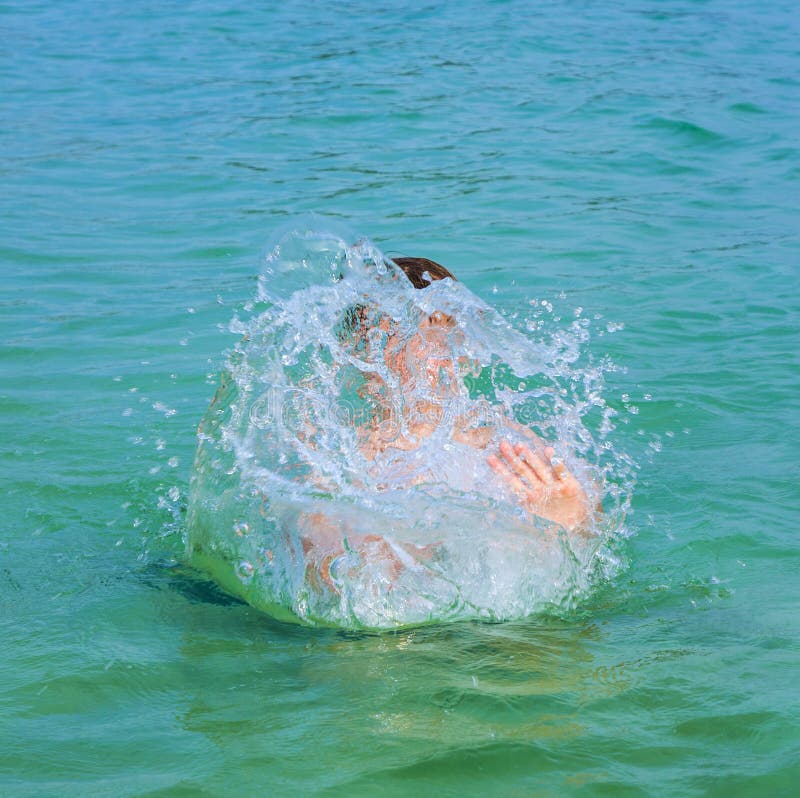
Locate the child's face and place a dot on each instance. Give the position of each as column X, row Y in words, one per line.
column 427, row 356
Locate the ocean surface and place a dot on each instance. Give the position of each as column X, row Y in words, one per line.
column 634, row 162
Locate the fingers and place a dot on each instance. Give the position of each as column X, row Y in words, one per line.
column 559, row 469
column 555, row 472
column 521, row 467
column 500, row 468
column 537, row 467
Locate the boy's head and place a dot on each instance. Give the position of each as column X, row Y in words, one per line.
column 420, row 273
column 427, row 350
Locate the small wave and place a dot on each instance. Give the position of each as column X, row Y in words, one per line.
column 686, row 131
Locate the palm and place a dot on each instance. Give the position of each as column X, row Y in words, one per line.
column 548, row 491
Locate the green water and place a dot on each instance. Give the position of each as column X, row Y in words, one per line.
column 639, row 161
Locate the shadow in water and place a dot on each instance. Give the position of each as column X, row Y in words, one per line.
column 191, row 584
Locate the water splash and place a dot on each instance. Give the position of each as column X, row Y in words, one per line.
column 341, row 474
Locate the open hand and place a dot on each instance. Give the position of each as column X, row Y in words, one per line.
column 547, row 490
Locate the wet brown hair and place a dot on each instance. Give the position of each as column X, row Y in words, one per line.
column 416, row 270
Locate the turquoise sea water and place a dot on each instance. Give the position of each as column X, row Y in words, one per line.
column 637, row 160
